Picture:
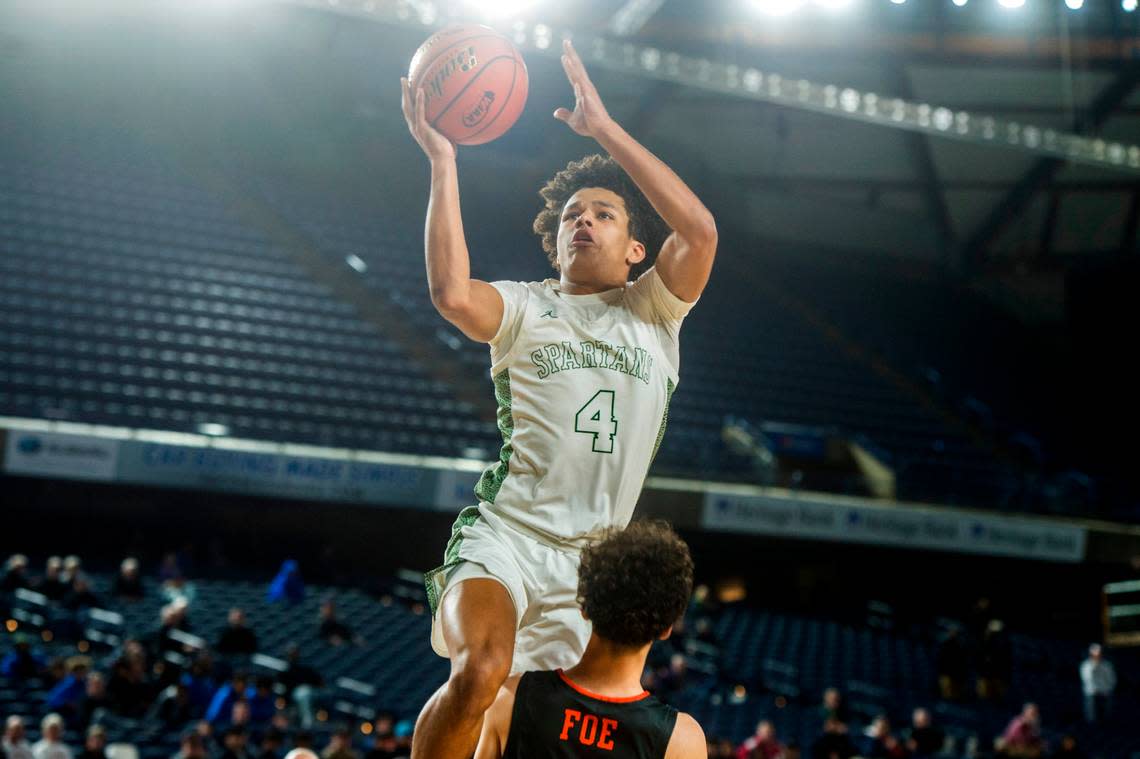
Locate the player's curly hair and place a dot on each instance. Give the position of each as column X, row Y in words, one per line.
column 645, row 225
column 634, row 583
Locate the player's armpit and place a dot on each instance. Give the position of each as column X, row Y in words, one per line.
column 476, row 310
column 684, row 265
column 688, row 740
column 497, row 722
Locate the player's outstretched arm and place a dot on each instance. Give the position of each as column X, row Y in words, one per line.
column 472, row 305
column 688, row 740
column 497, row 722
column 686, row 258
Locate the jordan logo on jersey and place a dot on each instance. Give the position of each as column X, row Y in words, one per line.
column 592, row 354
column 588, row 729
column 549, row 315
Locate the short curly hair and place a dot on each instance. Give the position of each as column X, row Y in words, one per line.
column 645, row 225
column 635, row 583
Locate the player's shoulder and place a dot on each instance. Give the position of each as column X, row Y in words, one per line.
column 688, row 739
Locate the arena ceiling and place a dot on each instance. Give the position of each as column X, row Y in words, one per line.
column 316, row 79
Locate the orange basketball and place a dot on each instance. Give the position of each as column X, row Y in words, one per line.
column 474, row 82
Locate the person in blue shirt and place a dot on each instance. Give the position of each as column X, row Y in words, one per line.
column 223, row 702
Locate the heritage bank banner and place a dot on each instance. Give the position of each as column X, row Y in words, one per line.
column 900, row 525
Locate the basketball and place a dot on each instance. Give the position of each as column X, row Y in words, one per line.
column 474, row 82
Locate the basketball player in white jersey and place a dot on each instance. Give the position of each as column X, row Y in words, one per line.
column 583, row 368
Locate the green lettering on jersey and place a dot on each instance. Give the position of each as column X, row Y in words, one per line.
column 621, row 362
column 589, row 359
column 554, row 357
column 544, row 369
column 570, row 359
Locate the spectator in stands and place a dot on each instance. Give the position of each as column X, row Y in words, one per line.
column 1098, row 681
column 879, row 743
column 1022, row 738
column 952, row 664
column 332, row 630
column 129, row 688
column 67, row 696
column 52, row 584
column 834, row 742
column 172, row 617
column 995, row 662
column 15, row 742
column 303, row 683
column 15, row 574
column 403, row 731
column 95, row 700
column 179, row 590
column 1068, row 749
column 673, row 678
column 763, row 744
column 199, row 682
column 240, row 714
column 924, row 739
column 223, row 701
column 262, row 702
column 95, row 744
column 383, row 738
column 271, row 744
column 22, row 663
column 174, row 707
column 128, row 584
column 287, row 585
column 834, row 707
column 340, row 745
column 236, row 638
column 51, row 745
column 170, row 567
column 80, row 596
column 302, row 741
column 235, row 743
column 191, row 746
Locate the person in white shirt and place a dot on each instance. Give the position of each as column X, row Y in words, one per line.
column 1098, row 681
column 583, row 368
column 51, row 745
column 15, row 744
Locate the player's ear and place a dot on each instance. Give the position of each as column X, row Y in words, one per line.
column 666, row 635
column 636, row 253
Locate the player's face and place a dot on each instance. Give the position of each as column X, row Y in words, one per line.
column 593, row 237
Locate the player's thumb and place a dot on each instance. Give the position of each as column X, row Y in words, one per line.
column 562, row 114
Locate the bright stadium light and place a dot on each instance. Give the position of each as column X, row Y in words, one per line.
column 960, row 3
column 899, row 2
column 1074, row 5
column 1011, row 3
column 501, row 8
column 833, row 5
column 1128, row 5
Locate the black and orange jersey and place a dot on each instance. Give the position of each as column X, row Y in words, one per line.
column 555, row 719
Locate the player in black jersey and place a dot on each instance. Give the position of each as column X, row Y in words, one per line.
column 633, row 585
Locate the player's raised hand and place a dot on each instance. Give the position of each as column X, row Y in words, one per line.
column 434, row 144
column 589, row 116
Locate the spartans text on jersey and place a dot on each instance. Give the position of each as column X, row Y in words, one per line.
column 592, row 354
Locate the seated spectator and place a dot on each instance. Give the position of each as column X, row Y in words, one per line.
column 1068, row 749
column 170, row 567
column 834, row 706
column 236, row 638
column 128, row 584
column 52, row 584
column 191, row 746
column 15, row 742
column 171, row 617
column 240, row 714
column 880, row 743
column 96, row 701
column 51, row 745
column 676, row 676
column 174, row 707
column 303, row 684
column 287, row 585
column 271, row 744
column 222, row 704
column 383, row 739
column 340, row 745
column 332, row 630
column 95, row 745
column 262, row 702
column 1022, row 738
column 80, row 596
column 952, row 665
column 72, row 568
column 129, row 688
column 235, row 743
column 199, row 682
column 15, row 574
column 762, row 744
column 179, row 590
column 834, row 742
column 67, row 696
column 924, row 739
column 22, row 663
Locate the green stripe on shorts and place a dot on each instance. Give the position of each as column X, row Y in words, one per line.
column 434, row 580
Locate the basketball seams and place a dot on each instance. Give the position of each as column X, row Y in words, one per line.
column 506, row 101
column 484, row 66
column 450, row 48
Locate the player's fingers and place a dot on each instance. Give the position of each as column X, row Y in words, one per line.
column 405, row 100
column 421, row 118
column 562, row 114
column 575, row 59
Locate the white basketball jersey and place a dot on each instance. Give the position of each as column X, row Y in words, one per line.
column 583, row 384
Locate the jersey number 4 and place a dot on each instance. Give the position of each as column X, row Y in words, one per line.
column 597, row 418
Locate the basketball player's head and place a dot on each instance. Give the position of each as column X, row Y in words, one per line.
column 596, row 225
column 635, row 583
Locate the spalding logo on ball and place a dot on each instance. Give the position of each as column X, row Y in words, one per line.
column 474, row 82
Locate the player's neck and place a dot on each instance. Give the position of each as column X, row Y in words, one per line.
column 571, row 287
column 609, row 670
